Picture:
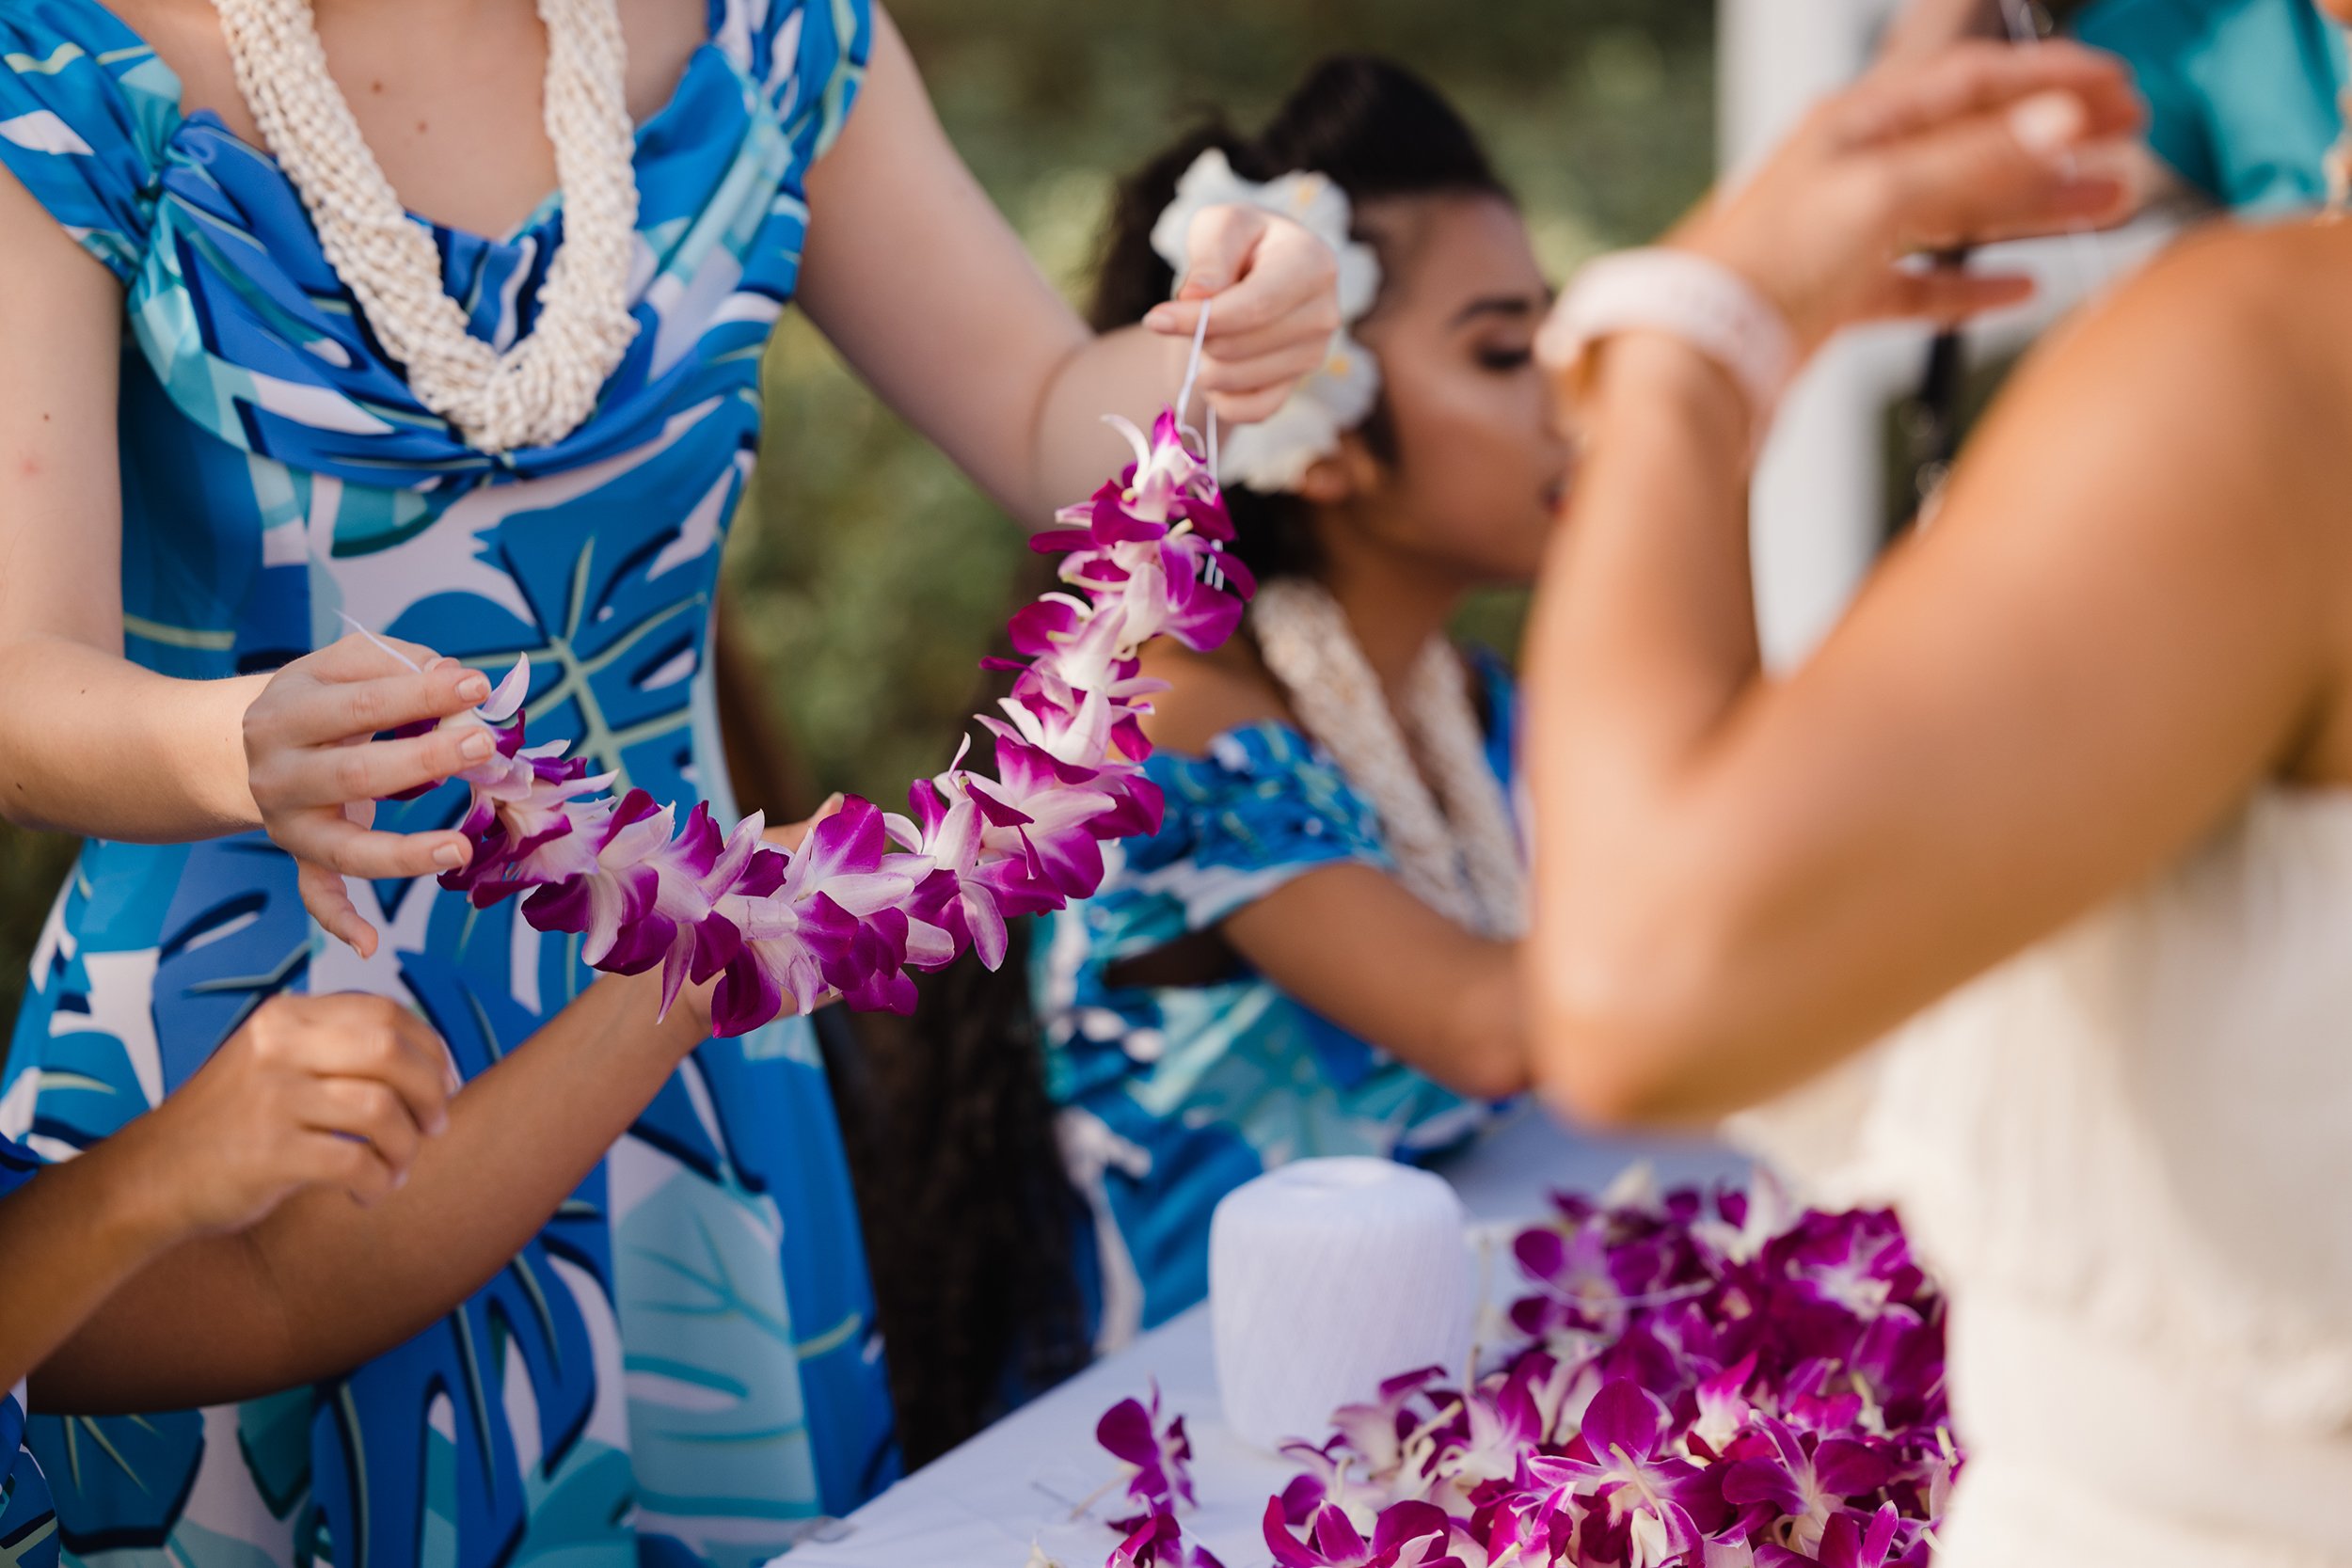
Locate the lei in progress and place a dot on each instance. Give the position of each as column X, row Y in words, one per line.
column 872, row 896
column 1693, row 1383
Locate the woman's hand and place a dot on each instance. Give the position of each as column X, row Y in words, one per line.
column 1272, row 291
column 335, row 1091
column 1979, row 141
column 1923, row 27
column 316, row 773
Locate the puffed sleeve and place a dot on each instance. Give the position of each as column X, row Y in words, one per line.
column 809, row 57
column 1259, row 809
column 86, row 108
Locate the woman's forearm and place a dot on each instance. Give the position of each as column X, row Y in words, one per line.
column 74, row 1233
column 97, row 746
column 1131, row 372
column 323, row 1285
column 1644, row 642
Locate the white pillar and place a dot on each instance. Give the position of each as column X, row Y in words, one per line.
column 1818, row 508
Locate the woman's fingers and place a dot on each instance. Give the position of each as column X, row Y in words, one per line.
column 1980, row 78
column 1306, row 333
column 363, row 1108
column 326, row 837
column 331, row 1160
column 329, row 903
column 1948, row 294
column 1238, row 408
column 376, row 769
column 1279, row 371
column 324, row 711
column 2003, row 172
column 367, row 1037
column 1256, row 272
column 1219, row 249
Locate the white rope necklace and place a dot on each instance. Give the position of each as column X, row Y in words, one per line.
column 1463, row 861
column 545, row 387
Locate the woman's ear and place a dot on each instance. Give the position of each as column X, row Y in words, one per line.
column 1327, row 482
column 1345, row 475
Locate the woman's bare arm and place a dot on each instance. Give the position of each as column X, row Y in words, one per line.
column 322, row 1285
column 1349, row 940
column 923, row 286
column 90, row 743
column 2125, row 617
column 1355, row 945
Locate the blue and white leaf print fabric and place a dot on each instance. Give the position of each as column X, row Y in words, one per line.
column 28, row 1521
column 681, row 1367
column 1172, row 1095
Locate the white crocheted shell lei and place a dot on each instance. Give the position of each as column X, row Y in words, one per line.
column 547, row 385
column 1462, row 859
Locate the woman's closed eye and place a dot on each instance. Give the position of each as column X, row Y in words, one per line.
column 1504, row 358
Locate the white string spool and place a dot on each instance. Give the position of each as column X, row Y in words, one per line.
column 1327, row 1277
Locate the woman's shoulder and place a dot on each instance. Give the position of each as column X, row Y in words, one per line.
column 86, row 108
column 1209, row 695
column 2225, row 365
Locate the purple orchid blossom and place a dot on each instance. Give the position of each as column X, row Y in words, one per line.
column 1160, row 1455
column 846, row 915
column 1157, row 1540
column 1703, row 1382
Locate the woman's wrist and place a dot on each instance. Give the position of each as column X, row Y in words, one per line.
column 123, row 1196
column 1646, row 376
column 224, row 787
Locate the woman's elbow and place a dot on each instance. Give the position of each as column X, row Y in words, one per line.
column 1620, row 1041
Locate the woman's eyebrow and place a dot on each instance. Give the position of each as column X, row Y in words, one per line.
column 1513, row 306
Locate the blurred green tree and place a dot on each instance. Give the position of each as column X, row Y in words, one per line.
column 866, row 575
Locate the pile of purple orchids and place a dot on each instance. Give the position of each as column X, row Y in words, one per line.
column 1700, row 1382
column 872, row 896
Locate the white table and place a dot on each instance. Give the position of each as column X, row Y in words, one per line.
column 1016, row 1485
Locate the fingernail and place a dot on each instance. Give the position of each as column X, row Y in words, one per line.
column 440, row 1124
column 476, row 746
column 1160, row 319
column 449, row 857
column 474, row 688
column 400, row 1181
column 2048, row 121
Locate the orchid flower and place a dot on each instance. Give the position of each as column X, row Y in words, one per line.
column 1807, row 1484
column 1160, row 1455
column 1766, row 1391
column 1158, row 1542
column 846, row 915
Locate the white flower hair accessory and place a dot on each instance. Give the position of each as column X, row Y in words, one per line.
column 1276, row 454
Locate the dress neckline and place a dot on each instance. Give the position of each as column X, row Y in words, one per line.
column 543, row 212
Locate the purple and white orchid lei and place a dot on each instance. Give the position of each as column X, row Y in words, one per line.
column 1699, row 1382
column 872, row 896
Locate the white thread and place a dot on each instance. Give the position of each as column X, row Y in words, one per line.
column 1326, row 1277
column 344, row 616
column 547, row 385
column 1464, row 860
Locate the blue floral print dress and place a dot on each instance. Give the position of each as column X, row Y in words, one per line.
column 682, row 1367
column 28, row 1524
column 1172, row 1095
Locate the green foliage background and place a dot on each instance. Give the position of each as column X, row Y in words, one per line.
column 868, row 576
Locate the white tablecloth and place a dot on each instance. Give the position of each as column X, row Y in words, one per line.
column 1018, row 1483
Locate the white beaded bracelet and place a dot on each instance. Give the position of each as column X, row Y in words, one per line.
column 1685, row 295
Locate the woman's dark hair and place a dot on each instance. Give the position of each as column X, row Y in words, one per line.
column 1376, row 131
column 968, row 1216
